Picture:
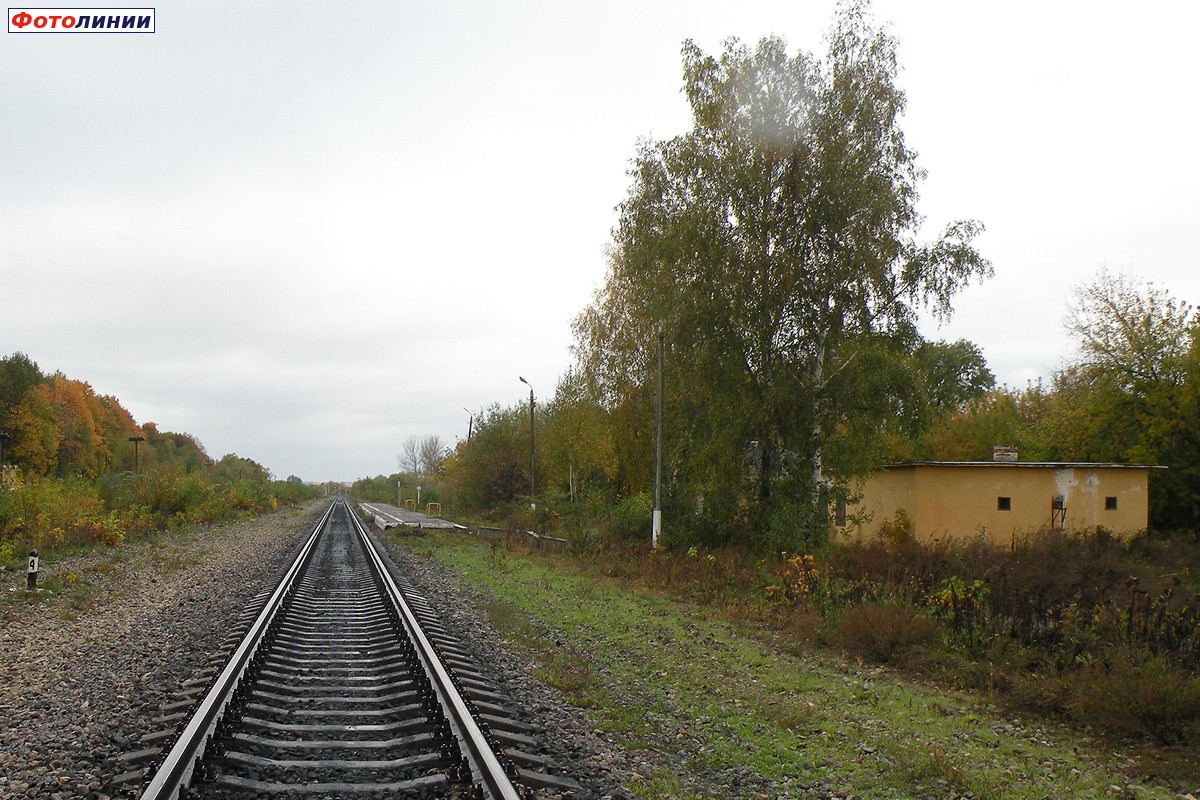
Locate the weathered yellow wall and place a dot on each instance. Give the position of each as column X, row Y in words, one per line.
column 958, row 500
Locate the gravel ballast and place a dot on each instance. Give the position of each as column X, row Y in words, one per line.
column 603, row 768
column 86, row 671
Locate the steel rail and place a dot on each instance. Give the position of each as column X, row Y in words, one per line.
column 190, row 746
column 484, row 762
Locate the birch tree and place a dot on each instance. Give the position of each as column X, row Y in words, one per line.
column 777, row 243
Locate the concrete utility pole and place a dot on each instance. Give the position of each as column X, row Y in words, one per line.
column 532, row 494
column 656, row 523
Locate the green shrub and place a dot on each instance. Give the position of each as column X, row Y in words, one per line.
column 293, row 491
column 964, row 609
column 8, row 555
column 76, row 511
column 45, row 512
column 883, row 633
column 793, row 528
column 631, row 518
column 175, row 497
column 245, row 495
column 1149, row 696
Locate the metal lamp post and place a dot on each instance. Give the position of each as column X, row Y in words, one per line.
column 532, row 494
column 470, row 422
column 137, row 468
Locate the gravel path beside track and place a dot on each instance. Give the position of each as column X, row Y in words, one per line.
column 81, row 680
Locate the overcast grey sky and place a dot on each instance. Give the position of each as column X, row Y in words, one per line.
column 303, row 232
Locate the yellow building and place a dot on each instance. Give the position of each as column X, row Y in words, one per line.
column 1002, row 499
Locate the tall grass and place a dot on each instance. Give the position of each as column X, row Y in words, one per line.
column 1083, row 626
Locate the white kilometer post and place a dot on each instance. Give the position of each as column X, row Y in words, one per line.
column 32, row 573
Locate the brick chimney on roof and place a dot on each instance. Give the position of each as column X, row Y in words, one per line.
column 1004, row 453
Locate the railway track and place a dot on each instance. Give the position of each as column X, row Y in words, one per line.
column 345, row 685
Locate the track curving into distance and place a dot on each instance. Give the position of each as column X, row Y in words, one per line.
column 336, row 691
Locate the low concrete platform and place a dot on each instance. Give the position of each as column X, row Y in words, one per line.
column 389, row 516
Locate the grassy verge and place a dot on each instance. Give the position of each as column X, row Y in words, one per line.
column 722, row 700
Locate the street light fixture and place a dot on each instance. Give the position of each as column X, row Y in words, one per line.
column 532, row 494
column 470, row 422
column 137, row 468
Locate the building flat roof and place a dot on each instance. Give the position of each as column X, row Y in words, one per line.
column 1023, row 464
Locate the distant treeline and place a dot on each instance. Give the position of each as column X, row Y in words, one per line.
column 78, row 469
column 1131, row 394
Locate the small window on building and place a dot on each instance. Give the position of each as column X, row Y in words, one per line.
column 1110, row 504
column 1004, row 504
column 839, row 514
